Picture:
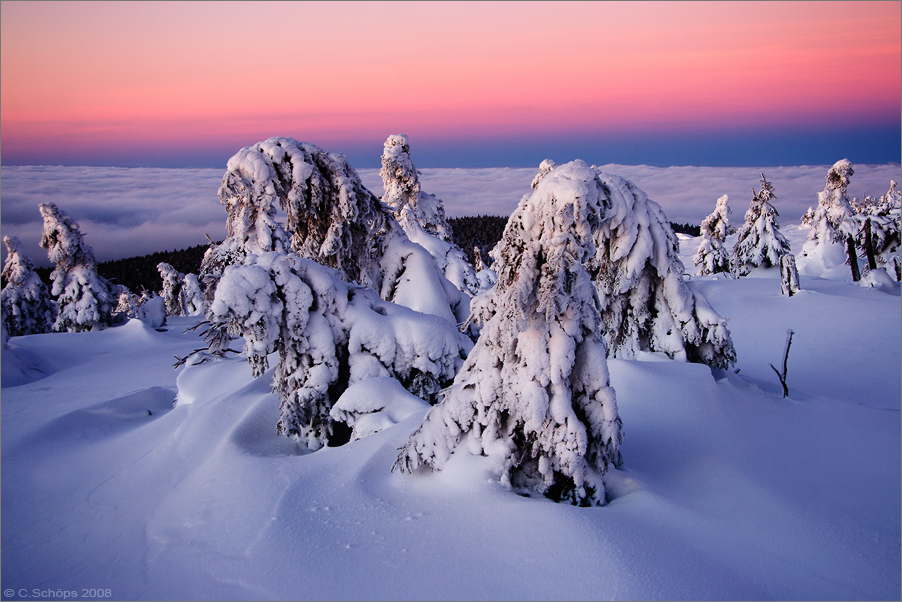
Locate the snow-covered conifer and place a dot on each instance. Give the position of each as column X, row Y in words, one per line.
column 712, row 257
column 328, row 334
column 84, row 298
column 422, row 215
column 833, row 221
column 401, row 182
column 26, row 303
column 881, row 218
column 718, row 223
column 332, row 219
column 645, row 304
column 759, row 242
column 480, row 263
column 534, row 393
column 807, row 218
column 173, row 293
column 193, row 295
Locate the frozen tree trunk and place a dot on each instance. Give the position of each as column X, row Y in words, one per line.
column 789, row 275
column 853, row 258
column 869, row 245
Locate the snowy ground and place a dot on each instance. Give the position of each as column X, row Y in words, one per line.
column 728, row 491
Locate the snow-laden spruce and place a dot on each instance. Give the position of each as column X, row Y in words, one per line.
column 422, row 215
column 181, row 292
column 878, row 223
column 25, row 301
column 712, row 257
column 759, row 242
column 331, row 218
column 534, row 393
column 173, row 295
column 328, row 334
column 84, row 298
column 832, row 223
column 645, row 304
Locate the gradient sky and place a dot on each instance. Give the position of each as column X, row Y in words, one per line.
column 473, row 84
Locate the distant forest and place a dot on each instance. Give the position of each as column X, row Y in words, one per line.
column 140, row 273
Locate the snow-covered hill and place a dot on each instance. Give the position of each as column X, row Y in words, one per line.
column 728, row 490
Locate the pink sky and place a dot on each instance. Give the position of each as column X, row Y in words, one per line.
column 84, row 75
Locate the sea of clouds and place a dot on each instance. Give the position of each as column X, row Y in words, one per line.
column 135, row 211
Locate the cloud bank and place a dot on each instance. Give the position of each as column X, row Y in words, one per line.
column 135, row 211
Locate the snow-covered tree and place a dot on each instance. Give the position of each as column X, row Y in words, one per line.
column 193, row 295
column 173, row 293
column 759, row 242
column 712, row 257
column 878, row 224
column 401, row 181
column 480, row 263
column 645, row 304
column 328, row 334
column 833, row 223
column 26, row 303
column 807, row 217
column 534, row 393
column 331, row 218
column 84, row 298
column 422, row 215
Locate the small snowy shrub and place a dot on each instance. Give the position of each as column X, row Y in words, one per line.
column 26, row 304
column 759, row 242
column 84, row 298
column 534, row 393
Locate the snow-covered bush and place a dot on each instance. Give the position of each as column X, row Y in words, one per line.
column 149, row 307
column 328, row 334
column 422, row 215
column 534, row 393
column 26, row 304
column 84, row 298
column 759, row 242
column 645, row 304
column 331, row 218
column 712, row 257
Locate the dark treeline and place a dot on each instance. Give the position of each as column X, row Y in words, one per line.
column 140, row 273
column 482, row 231
column 686, row 229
